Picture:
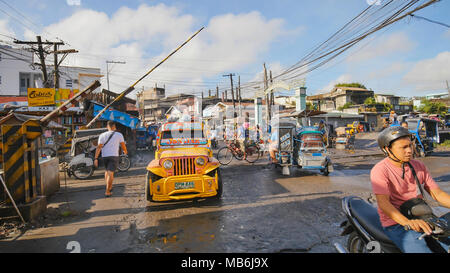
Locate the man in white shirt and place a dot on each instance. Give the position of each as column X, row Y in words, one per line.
column 108, row 145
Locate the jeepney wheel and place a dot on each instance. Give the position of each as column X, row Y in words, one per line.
column 148, row 196
column 219, row 184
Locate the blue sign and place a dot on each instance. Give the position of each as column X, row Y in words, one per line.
column 117, row 116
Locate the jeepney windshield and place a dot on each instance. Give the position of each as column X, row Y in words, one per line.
column 182, row 134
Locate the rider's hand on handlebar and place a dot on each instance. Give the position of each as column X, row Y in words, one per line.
column 419, row 226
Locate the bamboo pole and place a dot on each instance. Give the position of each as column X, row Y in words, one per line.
column 131, row 88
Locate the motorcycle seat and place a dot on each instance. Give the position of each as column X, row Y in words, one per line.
column 368, row 218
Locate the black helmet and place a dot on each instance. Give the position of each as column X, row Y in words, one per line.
column 388, row 135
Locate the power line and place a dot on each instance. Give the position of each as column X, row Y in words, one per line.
column 19, row 21
column 331, row 53
column 15, row 57
column 429, row 20
column 18, row 12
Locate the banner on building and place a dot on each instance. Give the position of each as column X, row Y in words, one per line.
column 62, row 95
column 41, row 96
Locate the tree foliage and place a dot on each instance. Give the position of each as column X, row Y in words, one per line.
column 345, row 106
column 370, row 101
column 373, row 103
column 431, row 107
column 353, row 84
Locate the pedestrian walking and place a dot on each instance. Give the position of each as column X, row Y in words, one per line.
column 108, row 144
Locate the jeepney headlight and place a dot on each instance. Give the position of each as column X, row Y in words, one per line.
column 200, row 161
column 168, row 164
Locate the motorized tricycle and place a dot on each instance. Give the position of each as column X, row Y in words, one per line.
column 447, row 121
column 311, row 151
column 304, row 148
column 82, row 152
column 344, row 140
column 425, row 133
column 141, row 138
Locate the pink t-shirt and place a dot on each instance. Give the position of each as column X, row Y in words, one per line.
column 387, row 180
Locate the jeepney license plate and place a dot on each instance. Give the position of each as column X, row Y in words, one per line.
column 317, row 154
column 184, row 185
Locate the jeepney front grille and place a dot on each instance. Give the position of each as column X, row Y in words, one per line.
column 184, row 166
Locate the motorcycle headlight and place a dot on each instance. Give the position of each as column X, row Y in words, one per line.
column 200, row 161
column 168, row 164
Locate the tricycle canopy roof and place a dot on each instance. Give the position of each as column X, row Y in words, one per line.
column 89, row 132
column 310, row 130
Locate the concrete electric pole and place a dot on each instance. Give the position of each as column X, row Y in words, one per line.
column 107, row 70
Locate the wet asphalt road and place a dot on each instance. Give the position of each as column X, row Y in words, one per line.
column 260, row 211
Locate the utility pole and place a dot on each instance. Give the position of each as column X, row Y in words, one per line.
column 272, row 102
column 107, row 70
column 40, row 52
column 56, row 64
column 232, row 92
column 266, row 85
column 448, row 88
column 239, row 95
column 217, row 91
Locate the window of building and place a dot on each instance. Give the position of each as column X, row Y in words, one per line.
column 68, row 83
column 25, row 83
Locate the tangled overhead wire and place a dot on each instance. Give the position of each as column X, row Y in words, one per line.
column 370, row 20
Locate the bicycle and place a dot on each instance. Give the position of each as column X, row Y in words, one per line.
column 225, row 154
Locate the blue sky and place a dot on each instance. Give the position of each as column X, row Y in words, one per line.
column 412, row 57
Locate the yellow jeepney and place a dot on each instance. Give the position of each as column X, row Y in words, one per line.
column 184, row 166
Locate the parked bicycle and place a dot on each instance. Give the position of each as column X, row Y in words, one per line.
column 225, row 154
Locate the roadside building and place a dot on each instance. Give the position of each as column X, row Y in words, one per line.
column 387, row 98
column 337, row 118
column 340, row 96
column 441, row 95
column 153, row 103
column 18, row 73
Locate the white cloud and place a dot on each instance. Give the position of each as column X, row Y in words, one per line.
column 447, row 34
column 385, row 46
column 73, row 2
column 144, row 36
column 393, row 68
column 5, row 29
column 429, row 74
column 341, row 79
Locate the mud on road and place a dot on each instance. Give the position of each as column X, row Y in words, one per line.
column 260, row 211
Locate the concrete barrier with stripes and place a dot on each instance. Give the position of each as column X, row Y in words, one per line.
column 19, row 160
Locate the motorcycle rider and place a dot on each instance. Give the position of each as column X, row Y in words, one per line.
column 393, row 183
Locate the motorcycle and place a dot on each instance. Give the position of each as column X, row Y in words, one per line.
column 366, row 235
column 81, row 165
